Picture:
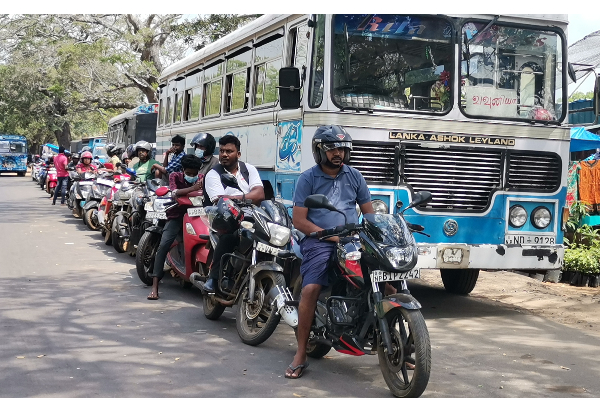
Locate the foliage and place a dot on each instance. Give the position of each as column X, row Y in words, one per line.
column 577, row 211
column 583, row 253
column 206, row 29
column 581, row 96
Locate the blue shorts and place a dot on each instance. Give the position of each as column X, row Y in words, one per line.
column 315, row 261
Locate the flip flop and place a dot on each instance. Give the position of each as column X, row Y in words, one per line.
column 151, row 297
column 294, row 369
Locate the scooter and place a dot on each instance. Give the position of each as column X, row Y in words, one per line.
column 52, row 181
column 189, row 253
column 100, row 188
column 106, row 211
column 79, row 192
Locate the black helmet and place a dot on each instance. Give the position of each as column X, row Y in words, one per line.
column 130, row 150
column 205, row 139
column 110, row 149
column 328, row 137
column 224, row 216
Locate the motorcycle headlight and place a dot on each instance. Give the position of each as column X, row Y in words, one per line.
column 541, row 217
column 159, row 204
column 400, row 257
column 280, row 235
column 380, row 207
column 197, row 201
column 517, row 216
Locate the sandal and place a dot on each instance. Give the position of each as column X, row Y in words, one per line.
column 152, row 296
column 302, row 368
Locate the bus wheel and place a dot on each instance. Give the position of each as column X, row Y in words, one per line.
column 459, row 281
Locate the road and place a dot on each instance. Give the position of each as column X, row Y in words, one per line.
column 75, row 322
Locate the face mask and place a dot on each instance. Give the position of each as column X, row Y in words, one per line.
column 199, row 153
column 191, row 179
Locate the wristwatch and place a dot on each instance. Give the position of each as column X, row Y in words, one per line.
column 174, row 191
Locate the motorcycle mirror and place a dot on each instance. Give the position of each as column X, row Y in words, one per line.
column 130, row 172
column 230, row 180
column 319, row 201
column 420, row 198
column 161, row 191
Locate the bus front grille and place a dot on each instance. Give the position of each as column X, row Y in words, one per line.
column 533, row 171
column 376, row 161
column 458, row 179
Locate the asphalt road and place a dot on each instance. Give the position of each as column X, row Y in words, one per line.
column 75, row 322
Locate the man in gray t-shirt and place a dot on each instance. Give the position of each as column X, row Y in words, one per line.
column 345, row 187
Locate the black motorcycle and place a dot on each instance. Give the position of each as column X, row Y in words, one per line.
column 252, row 275
column 354, row 317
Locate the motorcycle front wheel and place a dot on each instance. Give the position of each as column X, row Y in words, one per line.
column 256, row 322
column 411, row 347
column 107, row 235
column 118, row 241
column 146, row 252
column 90, row 218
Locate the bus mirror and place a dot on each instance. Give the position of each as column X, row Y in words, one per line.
column 571, row 72
column 289, row 88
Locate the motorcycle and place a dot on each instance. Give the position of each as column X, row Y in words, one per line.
column 354, row 317
column 52, row 181
column 79, row 191
column 121, row 206
column 130, row 221
column 99, row 189
column 41, row 180
column 35, row 170
column 188, row 253
column 106, row 212
column 251, row 275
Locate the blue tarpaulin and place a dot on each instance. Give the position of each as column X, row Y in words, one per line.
column 581, row 140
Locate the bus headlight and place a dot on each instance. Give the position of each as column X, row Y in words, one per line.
column 517, row 216
column 380, row 207
column 541, row 217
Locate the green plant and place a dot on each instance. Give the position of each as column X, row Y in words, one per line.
column 583, row 252
column 577, row 211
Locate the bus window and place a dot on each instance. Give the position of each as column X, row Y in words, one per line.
column 267, row 63
column 299, row 36
column 317, row 63
column 238, row 74
column 213, row 76
column 161, row 111
column 510, row 72
column 169, row 111
column 178, row 103
column 393, row 62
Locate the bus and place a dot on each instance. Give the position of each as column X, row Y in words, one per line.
column 134, row 125
column 469, row 107
column 13, row 154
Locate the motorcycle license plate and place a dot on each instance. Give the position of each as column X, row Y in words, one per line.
column 105, row 182
column 383, row 276
column 196, row 212
column 267, row 249
column 157, row 215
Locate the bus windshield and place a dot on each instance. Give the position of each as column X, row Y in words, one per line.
column 392, row 62
column 511, row 72
column 12, row 147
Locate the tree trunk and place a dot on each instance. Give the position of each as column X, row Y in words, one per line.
column 63, row 136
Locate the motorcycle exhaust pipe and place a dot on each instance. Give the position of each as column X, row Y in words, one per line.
column 289, row 314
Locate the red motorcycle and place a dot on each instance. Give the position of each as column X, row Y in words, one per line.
column 189, row 252
column 105, row 212
column 52, row 181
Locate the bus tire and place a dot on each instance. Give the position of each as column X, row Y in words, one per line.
column 459, row 281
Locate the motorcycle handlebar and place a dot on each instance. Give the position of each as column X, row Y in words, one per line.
column 341, row 230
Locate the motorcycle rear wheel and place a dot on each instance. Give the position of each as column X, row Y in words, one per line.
column 107, row 235
column 90, row 220
column 117, row 241
column 256, row 323
column 146, row 252
column 410, row 343
column 212, row 308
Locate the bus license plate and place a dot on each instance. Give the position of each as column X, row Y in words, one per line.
column 383, row 276
column 529, row 239
column 157, row 215
column 196, row 212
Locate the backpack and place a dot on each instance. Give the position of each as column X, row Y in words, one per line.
column 221, row 170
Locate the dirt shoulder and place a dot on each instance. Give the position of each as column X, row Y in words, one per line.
column 577, row 307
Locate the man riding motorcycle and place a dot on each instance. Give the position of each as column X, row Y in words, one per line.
column 204, row 146
column 345, row 187
column 143, row 168
column 252, row 189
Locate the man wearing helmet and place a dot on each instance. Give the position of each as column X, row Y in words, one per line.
column 345, row 187
column 174, row 165
column 143, row 168
column 204, row 146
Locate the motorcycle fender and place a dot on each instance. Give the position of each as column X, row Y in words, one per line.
column 394, row 301
column 155, row 229
column 123, row 213
column 255, row 269
column 90, row 204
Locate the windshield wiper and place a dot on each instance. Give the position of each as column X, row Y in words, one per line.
column 492, row 22
column 358, row 109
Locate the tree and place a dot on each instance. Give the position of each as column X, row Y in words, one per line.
column 581, row 96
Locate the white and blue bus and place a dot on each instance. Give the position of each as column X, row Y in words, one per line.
column 469, row 107
column 13, row 154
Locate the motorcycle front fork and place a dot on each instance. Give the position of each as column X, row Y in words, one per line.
column 383, row 326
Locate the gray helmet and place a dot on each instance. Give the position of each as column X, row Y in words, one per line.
column 142, row 144
column 328, row 137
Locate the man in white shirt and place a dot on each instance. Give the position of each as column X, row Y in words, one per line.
column 252, row 188
column 246, row 174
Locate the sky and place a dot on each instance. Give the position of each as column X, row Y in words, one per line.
column 581, row 25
